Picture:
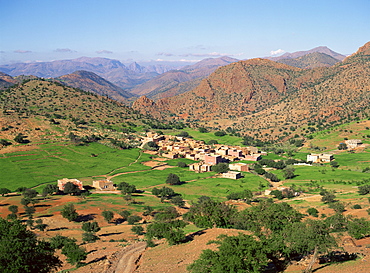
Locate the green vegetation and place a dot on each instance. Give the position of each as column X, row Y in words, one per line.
column 52, row 162
column 21, row 251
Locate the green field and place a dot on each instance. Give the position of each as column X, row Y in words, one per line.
column 227, row 139
column 52, row 162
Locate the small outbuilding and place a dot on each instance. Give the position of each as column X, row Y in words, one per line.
column 104, row 185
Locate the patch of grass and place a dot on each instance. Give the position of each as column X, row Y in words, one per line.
column 53, row 162
column 227, row 139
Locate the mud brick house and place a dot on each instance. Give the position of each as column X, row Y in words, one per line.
column 104, row 185
column 62, row 182
column 212, row 159
column 232, row 175
column 319, row 158
column 200, row 167
column 241, row 167
column 353, row 143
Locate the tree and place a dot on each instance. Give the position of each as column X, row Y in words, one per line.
column 139, row 230
column 241, row 253
column 342, row 146
column 29, row 193
column 70, row 188
column 183, row 134
column 13, row 209
column 29, row 211
column 108, row 215
column 181, row 164
column 313, row 212
column 202, row 130
column 131, row 220
column 288, row 172
column 364, row 189
column 20, row 138
column 272, row 177
column 89, row 237
column 220, row 168
column 166, row 214
column 4, row 142
column 212, row 142
column 4, row 191
column 164, row 192
column 50, row 189
column 151, row 146
column 20, row 251
column 69, row 212
column 40, row 225
column 246, row 195
column 310, row 236
column 338, row 207
column 173, row 179
column 220, row 133
column 90, row 227
column 74, row 253
column 206, row 213
column 124, row 214
column 358, row 228
column 278, row 194
column 59, row 241
column 171, row 230
column 327, row 197
column 334, row 164
column 126, row 188
column 177, row 201
column 147, row 210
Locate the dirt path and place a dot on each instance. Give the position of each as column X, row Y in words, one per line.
column 128, row 261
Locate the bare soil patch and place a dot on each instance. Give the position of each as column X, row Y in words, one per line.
column 175, row 259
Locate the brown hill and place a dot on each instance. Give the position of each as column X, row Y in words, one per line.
column 311, row 60
column 259, row 94
column 319, row 49
column 176, row 82
column 89, row 81
column 6, row 80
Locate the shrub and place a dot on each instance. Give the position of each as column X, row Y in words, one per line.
column 220, row 133
column 139, row 230
column 357, row 206
column 173, row 179
column 313, row 212
column 69, row 212
column 108, row 215
column 131, row 220
column 181, row 164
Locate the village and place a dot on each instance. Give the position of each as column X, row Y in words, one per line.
column 173, row 147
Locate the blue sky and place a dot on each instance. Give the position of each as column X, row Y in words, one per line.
column 143, row 30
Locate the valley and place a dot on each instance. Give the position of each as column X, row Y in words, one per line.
column 171, row 160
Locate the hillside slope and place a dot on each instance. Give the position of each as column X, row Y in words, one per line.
column 91, row 82
column 175, row 82
column 311, row 60
column 260, row 94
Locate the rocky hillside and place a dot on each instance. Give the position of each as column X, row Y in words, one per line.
column 176, row 82
column 260, row 94
column 311, row 60
column 319, row 49
column 89, row 81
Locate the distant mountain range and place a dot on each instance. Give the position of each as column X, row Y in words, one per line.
column 112, row 70
column 176, row 82
column 311, row 60
column 260, row 95
column 319, row 49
